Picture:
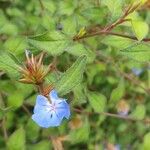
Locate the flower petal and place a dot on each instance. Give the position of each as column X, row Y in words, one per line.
column 39, row 108
column 41, row 104
column 137, row 71
column 41, row 100
column 63, row 109
column 48, row 114
column 46, row 120
column 53, row 96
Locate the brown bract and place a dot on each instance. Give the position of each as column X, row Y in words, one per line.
column 33, row 71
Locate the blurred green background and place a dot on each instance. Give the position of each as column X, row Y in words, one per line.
column 110, row 82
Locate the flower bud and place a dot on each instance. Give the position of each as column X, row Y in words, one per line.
column 123, row 108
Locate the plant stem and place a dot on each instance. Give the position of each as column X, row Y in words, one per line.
column 4, row 129
column 125, row 75
column 40, row 88
column 26, row 110
column 107, row 29
column 111, row 115
column 41, row 4
column 112, row 33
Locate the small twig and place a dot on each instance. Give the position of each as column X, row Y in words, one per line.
column 41, row 4
column 57, row 143
column 134, row 81
column 3, row 122
column 40, row 88
column 4, row 129
column 26, row 110
column 127, row 36
column 3, row 37
column 110, row 115
column 42, row 7
column 112, row 33
column 106, row 30
column 122, row 19
column 125, row 75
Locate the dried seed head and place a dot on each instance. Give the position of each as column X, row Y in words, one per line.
column 33, row 72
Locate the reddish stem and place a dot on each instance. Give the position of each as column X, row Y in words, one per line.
column 106, row 30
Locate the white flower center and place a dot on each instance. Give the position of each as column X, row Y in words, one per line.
column 51, row 107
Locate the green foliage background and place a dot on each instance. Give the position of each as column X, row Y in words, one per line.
column 94, row 73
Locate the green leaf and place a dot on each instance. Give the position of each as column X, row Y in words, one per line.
column 17, row 140
column 78, row 49
column 117, row 93
column 53, row 42
column 51, row 7
column 6, row 110
column 138, row 51
column 71, row 77
column 140, row 29
column 14, row 58
column 15, row 99
column 15, row 45
column 42, row 145
column 47, row 22
column 139, row 1
column 81, row 134
column 81, row 21
column 32, row 130
column 3, row 111
column 9, row 28
column 117, row 42
column 79, row 94
column 139, row 112
column 146, row 143
column 93, row 70
column 69, row 25
column 56, row 43
column 8, row 64
column 95, row 14
column 67, row 7
column 114, row 6
column 97, row 101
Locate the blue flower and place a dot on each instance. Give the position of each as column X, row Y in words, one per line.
column 50, row 113
column 123, row 113
column 137, row 71
column 117, row 147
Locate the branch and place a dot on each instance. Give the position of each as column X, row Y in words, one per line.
column 134, row 81
column 4, row 129
column 125, row 75
column 127, row 36
column 106, row 30
column 42, row 7
column 112, row 115
column 111, row 33
column 26, row 110
column 131, row 8
column 41, row 4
